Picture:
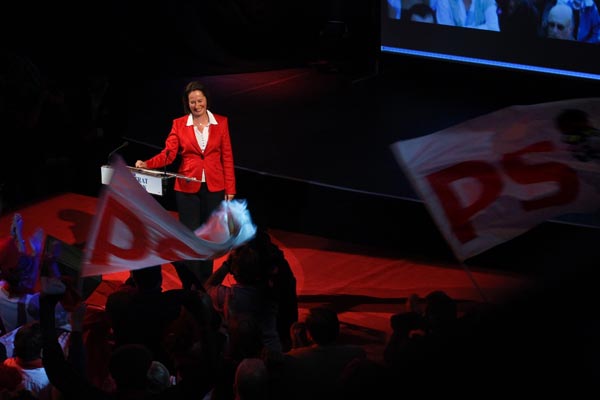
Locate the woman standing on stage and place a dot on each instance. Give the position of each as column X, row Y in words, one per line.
column 202, row 140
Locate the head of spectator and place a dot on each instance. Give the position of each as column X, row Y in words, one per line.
column 560, row 22
column 440, row 310
column 257, row 262
column 299, row 335
column 28, row 343
column 363, row 378
column 578, row 131
column 148, row 280
column 159, row 377
column 421, row 12
column 248, row 264
column 251, row 380
column 129, row 365
column 118, row 303
column 10, row 378
column 323, row 325
column 572, row 121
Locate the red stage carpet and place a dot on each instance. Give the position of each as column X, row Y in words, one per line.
column 362, row 283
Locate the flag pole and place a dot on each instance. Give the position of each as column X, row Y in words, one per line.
column 474, row 282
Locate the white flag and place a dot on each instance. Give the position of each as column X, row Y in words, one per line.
column 494, row 177
column 131, row 230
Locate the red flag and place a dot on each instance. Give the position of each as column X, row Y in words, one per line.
column 131, row 230
column 494, row 177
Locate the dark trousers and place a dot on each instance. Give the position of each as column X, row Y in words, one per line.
column 194, row 210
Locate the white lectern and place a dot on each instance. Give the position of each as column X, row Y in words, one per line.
column 153, row 181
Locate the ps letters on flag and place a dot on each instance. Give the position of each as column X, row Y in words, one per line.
column 494, row 177
column 131, row 230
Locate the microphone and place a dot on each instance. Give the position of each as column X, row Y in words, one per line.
column 115, row 150
column 166, row 157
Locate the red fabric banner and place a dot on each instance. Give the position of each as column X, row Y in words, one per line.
column 131, row 230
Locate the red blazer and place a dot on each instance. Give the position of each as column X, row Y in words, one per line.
column 216, row 160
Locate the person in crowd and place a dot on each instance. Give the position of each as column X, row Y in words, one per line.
column 10, row 379
column 195, row 346
column 264, row 288
column 299, row 335
column 201, row 138
column 419, row 336
column 19, row 274
column 282, row 281
column 244, row 341
column 518, row 18
column 140, row 311
column 579, row 133
column 559, row 24
column 587, row 28
column 584, row 19
column 159, row 378
column 394, row 9
column 27, row 359
column 420, row 12
column 364, row 378
column 251, row 380
column 130, row 365
column 478, row 14
column 315, row 371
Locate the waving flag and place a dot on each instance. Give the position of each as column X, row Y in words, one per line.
column 131, row 230
column 494, row 177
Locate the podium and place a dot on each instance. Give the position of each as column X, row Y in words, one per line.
column 154, row 182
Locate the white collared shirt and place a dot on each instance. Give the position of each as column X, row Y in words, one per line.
column 202, row 135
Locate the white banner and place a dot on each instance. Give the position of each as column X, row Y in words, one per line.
column 494, row 177
column 131, row 230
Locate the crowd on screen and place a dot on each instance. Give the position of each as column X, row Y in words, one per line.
column 577, row 20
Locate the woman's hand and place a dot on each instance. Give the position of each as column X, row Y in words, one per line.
column 140, row 164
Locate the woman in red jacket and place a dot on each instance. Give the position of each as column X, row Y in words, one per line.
column 202, row 140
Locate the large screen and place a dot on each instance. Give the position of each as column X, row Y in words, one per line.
column 555, row 36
